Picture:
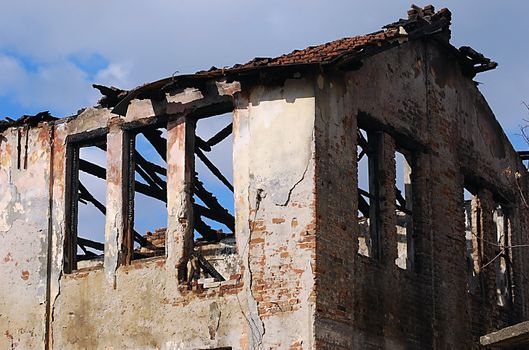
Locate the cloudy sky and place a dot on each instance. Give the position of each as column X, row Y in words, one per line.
column 51, row 52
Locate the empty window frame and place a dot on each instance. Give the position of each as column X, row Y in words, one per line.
column 404, row 208
column 85, row 203
column 368, row 194
column 213, row 199
column 502, row 226
column 146, row 221
column 472, row 219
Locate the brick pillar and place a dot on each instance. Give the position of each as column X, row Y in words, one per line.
column 180, row 173
column 116, row 201
column 423, row 240
column 386, row 177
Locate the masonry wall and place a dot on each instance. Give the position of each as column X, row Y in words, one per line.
column 24, row 213
column 300, row 283
column 267, row 304
column 415, row 96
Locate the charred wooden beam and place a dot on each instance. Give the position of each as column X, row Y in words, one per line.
column 88, row 256
column 363, row 206
column 403, row 209
column 149, row 165
column 91, row 244
column 148, row 178
column 211, row 201
column 205, row 230
column 361, row 155
column 86, row 195
column 111, row 95
column 83, row 248
column 154, row 136
column 157, row 181
column 206, row 266
column 365, row 193
column 202, row 144
column 524, row 155
column 92, row 169
column 213, row 168
column 143, row 242
column 400, row 198
column 100, row 172
column 221, row 135
column 27, row 120
column 362, row 141
column 102, row 146
column 479, row 62
column 150, row 191
column 217, row 215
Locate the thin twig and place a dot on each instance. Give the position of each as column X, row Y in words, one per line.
column 493, row 259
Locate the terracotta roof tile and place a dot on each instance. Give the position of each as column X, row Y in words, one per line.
column 417, row 18
column 325, row 52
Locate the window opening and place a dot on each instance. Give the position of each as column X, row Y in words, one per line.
column 147, row 217
column 86, row 205
column 471, row 238
column 502, row 237
column 213, row 200
column 368, row 207
column 404, row 208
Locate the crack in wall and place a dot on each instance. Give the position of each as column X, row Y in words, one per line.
column 52, row 311
column 302, row 175
column 260, row 195
column 294, row 186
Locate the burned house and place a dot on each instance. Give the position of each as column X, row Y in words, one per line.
column 375, row 203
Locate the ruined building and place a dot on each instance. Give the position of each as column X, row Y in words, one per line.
column 376, row 203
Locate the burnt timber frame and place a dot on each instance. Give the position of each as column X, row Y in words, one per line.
column 75, row 193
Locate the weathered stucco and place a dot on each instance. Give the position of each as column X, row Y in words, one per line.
column 145, row 300
column 24, row 207
column 293, row 277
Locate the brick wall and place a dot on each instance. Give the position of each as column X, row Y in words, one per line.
column 416, row 97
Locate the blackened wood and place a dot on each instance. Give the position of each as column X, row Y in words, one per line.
column 221, row 135
column 206, row 266
column 213, row 168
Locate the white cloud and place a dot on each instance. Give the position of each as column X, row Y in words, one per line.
column 60, row 87
column 11, row 73
column 145, row 41
column 114, row 74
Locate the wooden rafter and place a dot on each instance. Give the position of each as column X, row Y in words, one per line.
column 154, row 136
column 221, row 135
column 100, row 172
column 212, row 202
column 86, row 195
column 213, row 168
column 206, row 266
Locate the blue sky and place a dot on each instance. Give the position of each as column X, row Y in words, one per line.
column 51, row 52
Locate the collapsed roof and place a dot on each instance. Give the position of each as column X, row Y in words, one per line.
column 341, row 54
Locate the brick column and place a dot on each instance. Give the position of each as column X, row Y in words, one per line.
column 116, row 201
column 180, row 173
column 386, row 185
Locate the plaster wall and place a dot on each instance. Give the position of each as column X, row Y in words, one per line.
column 299, row 283
column 24, row 213
column 269, row 304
